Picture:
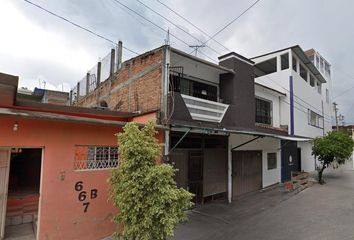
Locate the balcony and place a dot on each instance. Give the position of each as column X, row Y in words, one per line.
column 205, row 110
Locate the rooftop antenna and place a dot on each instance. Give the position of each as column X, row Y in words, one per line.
column 196, row 47
column 167, row 39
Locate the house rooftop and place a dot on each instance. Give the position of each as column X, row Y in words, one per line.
column 304, row 59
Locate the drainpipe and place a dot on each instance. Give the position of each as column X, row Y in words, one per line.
column 291, row 105
column 229, row 170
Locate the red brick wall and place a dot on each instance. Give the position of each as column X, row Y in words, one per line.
column 134, row 87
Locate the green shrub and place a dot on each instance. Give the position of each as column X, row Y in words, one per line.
column 150, row 205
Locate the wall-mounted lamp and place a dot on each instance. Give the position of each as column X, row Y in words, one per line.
column 15, row 127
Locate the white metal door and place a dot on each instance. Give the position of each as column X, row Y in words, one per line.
column 4, row 178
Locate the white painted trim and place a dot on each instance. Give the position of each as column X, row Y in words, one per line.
column 234, row 56
column 203, row 117
column 204, row 108
column 6, row 189
column 40, row 195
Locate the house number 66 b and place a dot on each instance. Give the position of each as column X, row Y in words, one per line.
column 82, row 197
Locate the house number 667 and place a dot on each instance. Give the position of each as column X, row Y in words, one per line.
column 82, row 197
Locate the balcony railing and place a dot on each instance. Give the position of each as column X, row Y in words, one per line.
column 205, row 110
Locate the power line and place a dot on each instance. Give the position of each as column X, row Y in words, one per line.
column 192, row 24
column 232, row 21
column 77, row 25
column 347, row 90
column 326, row 118
column 296, row 97
column 156, row 25
column 180, row 28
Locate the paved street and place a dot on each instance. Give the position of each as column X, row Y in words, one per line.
column 319, row 212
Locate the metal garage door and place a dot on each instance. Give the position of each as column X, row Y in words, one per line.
column 246, row 172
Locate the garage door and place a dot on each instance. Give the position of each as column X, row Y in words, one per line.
column 246, row 172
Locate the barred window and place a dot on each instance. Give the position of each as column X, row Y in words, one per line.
column 95, row 157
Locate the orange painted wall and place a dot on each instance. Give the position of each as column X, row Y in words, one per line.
column 61, row 213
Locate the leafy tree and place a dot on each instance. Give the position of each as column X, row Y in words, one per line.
column 332, row 149
column 150, row 205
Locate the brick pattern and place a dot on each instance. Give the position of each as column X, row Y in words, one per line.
column 134, row 87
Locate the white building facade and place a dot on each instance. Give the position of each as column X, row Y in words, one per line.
column 305, row 108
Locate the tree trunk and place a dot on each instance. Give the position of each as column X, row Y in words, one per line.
column 320, row 174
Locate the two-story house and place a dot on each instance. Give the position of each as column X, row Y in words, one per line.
column 209, row 111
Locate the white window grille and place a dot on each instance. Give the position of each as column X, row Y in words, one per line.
column 95, row 157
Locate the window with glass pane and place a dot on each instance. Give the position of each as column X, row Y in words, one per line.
column 315, row 119
column 271, row 161
column 263, row 111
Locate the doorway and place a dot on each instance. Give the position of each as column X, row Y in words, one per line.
column 290, row 159
column 246, row 172
column 195, row 175
column 23, row 192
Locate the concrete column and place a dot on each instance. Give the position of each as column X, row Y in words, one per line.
column 98, row 78
column 111, row 70
column 71, row 97
column 119, row 54
column 278, row 63
column 77, row 92
column 229, row 170
column 167, row 145
column 291, row 60
column 87, row 83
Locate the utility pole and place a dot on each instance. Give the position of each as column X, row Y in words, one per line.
column 335, row 114
column 167, row 39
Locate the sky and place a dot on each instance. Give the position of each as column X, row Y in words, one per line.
column 42, row 49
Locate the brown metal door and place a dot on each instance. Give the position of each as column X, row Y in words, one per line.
column 195, row 175
column 246, row 172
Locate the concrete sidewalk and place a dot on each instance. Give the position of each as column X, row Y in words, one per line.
column 320, row 212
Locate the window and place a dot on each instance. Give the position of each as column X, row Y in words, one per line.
column 303, row 72
column 272, row 161
column 312, row 81
column 294, row 64
column 266, row 67
column 193, row 88
column 315, row 119
column 95, row 157
column 327, row 96
column 284, row 61
column 263, row 111
column 319, row 87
